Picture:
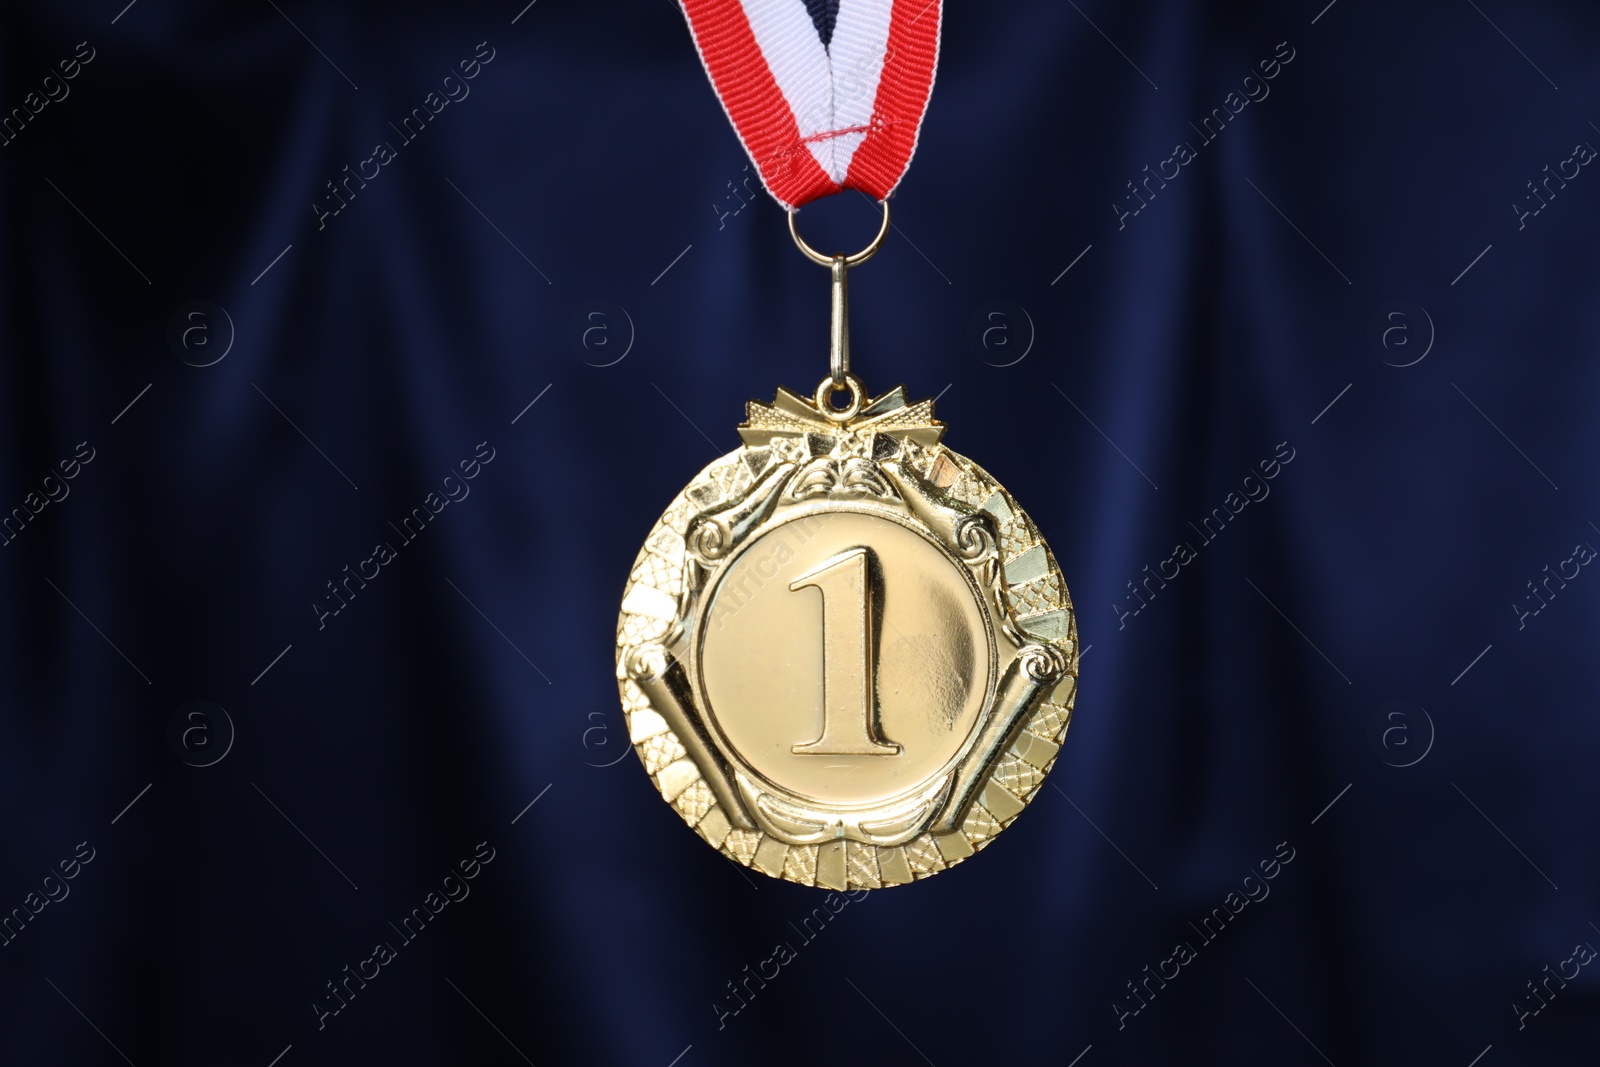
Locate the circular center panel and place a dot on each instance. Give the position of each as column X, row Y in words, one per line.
column 845, row 657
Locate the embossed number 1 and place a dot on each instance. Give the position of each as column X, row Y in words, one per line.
column 847, row 669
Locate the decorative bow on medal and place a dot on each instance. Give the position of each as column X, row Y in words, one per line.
column 790, row 415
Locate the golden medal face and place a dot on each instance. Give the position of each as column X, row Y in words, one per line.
column 846, row 656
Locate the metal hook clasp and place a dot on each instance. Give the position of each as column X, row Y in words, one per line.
column 839, row 266
column 839, row 336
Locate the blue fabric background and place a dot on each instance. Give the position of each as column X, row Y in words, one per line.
column 1184, row 346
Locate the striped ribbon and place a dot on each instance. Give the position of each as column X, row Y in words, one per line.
column 825, row 95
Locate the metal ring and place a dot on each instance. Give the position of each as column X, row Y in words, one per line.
column 852, row 260
column 858, row 397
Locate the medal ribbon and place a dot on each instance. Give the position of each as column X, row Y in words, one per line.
column 825, row 95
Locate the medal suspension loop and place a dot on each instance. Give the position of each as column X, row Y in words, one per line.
column 839, row 378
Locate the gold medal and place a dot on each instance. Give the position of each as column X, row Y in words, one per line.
column 846, row 656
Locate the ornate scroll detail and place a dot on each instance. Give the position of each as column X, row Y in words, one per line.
column 647, row 663
column 713, row 534
column 669, row 693
column 973, row 536
column 1045, row 664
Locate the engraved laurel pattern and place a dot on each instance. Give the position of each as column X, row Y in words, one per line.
column 1038, row 598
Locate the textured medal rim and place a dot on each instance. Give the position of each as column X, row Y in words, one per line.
column 1007, row 788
